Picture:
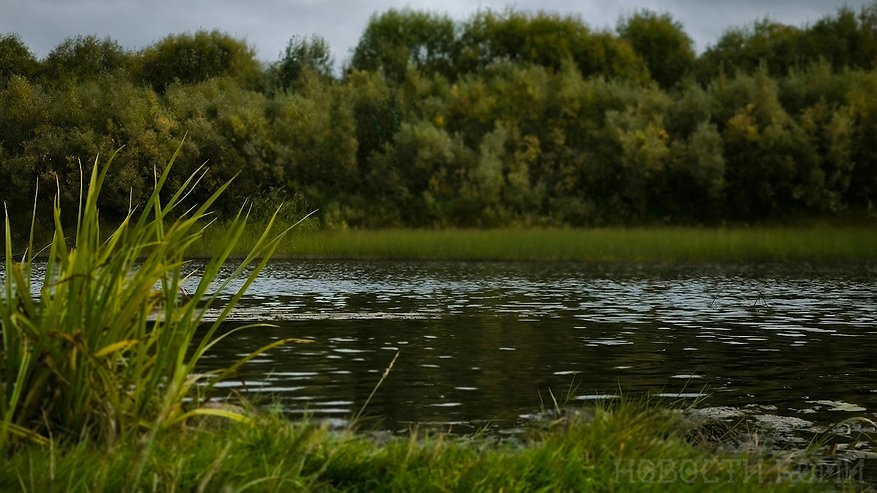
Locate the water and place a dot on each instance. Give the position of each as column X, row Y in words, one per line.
column 484, row 345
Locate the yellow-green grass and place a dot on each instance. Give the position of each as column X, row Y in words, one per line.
column 768, row 244
column 630, row 447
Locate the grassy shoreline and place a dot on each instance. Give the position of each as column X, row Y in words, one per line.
column 629, row 447
column 670, row 244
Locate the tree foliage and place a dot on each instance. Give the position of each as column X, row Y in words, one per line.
column 501, row 119
column 84, row 57
column 847, row 40
column 398, row 40
column 302, row 58
column 192, row 58
column 15, row 58
column 666, row 49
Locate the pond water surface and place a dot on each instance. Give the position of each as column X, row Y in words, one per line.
column 481, row 344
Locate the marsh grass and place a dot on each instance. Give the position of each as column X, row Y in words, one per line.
column 626, row 446
column 770, row 244
column 101, row 347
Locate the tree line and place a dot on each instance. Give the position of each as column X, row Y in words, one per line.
column 506, row 118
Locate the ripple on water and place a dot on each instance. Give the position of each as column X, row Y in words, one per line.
column 596, row 397
column 681, row 395
column 761, row 331
column 608, row 342
column 839, row 406
column 294, row 375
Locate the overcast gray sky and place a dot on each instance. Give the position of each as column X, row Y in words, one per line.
column 267, row 25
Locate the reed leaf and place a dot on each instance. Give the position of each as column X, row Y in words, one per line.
column 108, row 347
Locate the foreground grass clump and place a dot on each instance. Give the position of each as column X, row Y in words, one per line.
column 816, row 244
column 99, row 345
column 629, row 447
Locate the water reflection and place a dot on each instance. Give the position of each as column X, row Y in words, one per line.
column 482, row 343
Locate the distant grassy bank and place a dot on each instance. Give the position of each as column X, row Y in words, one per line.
column 627, row 448
column 770, row 244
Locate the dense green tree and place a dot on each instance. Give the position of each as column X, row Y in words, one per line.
column 542, row 39
column 15, row 58
column 424, row 170
column 772, row 166
column 303, row 57
column 54, row 134
column 863, row 109
column 227, row 127
column 696, row 175
column 846, row 40
column 643, row 153
column 662, row 43
column 547, row 40
column 398, row 40
column 85, row 57
column 377, row 111
column 503, row 119
column 482, row 188
column 22, row 110
column 315, row 133
column 815, row 83
column 829, row 130
column 765, row 42
column 192, row 58
column 607, row 56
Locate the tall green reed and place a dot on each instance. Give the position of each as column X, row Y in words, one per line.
column 104, row 346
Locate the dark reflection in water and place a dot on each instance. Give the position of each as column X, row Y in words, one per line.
column 482, row 343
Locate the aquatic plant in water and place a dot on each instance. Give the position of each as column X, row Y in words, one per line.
column 102, row 346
